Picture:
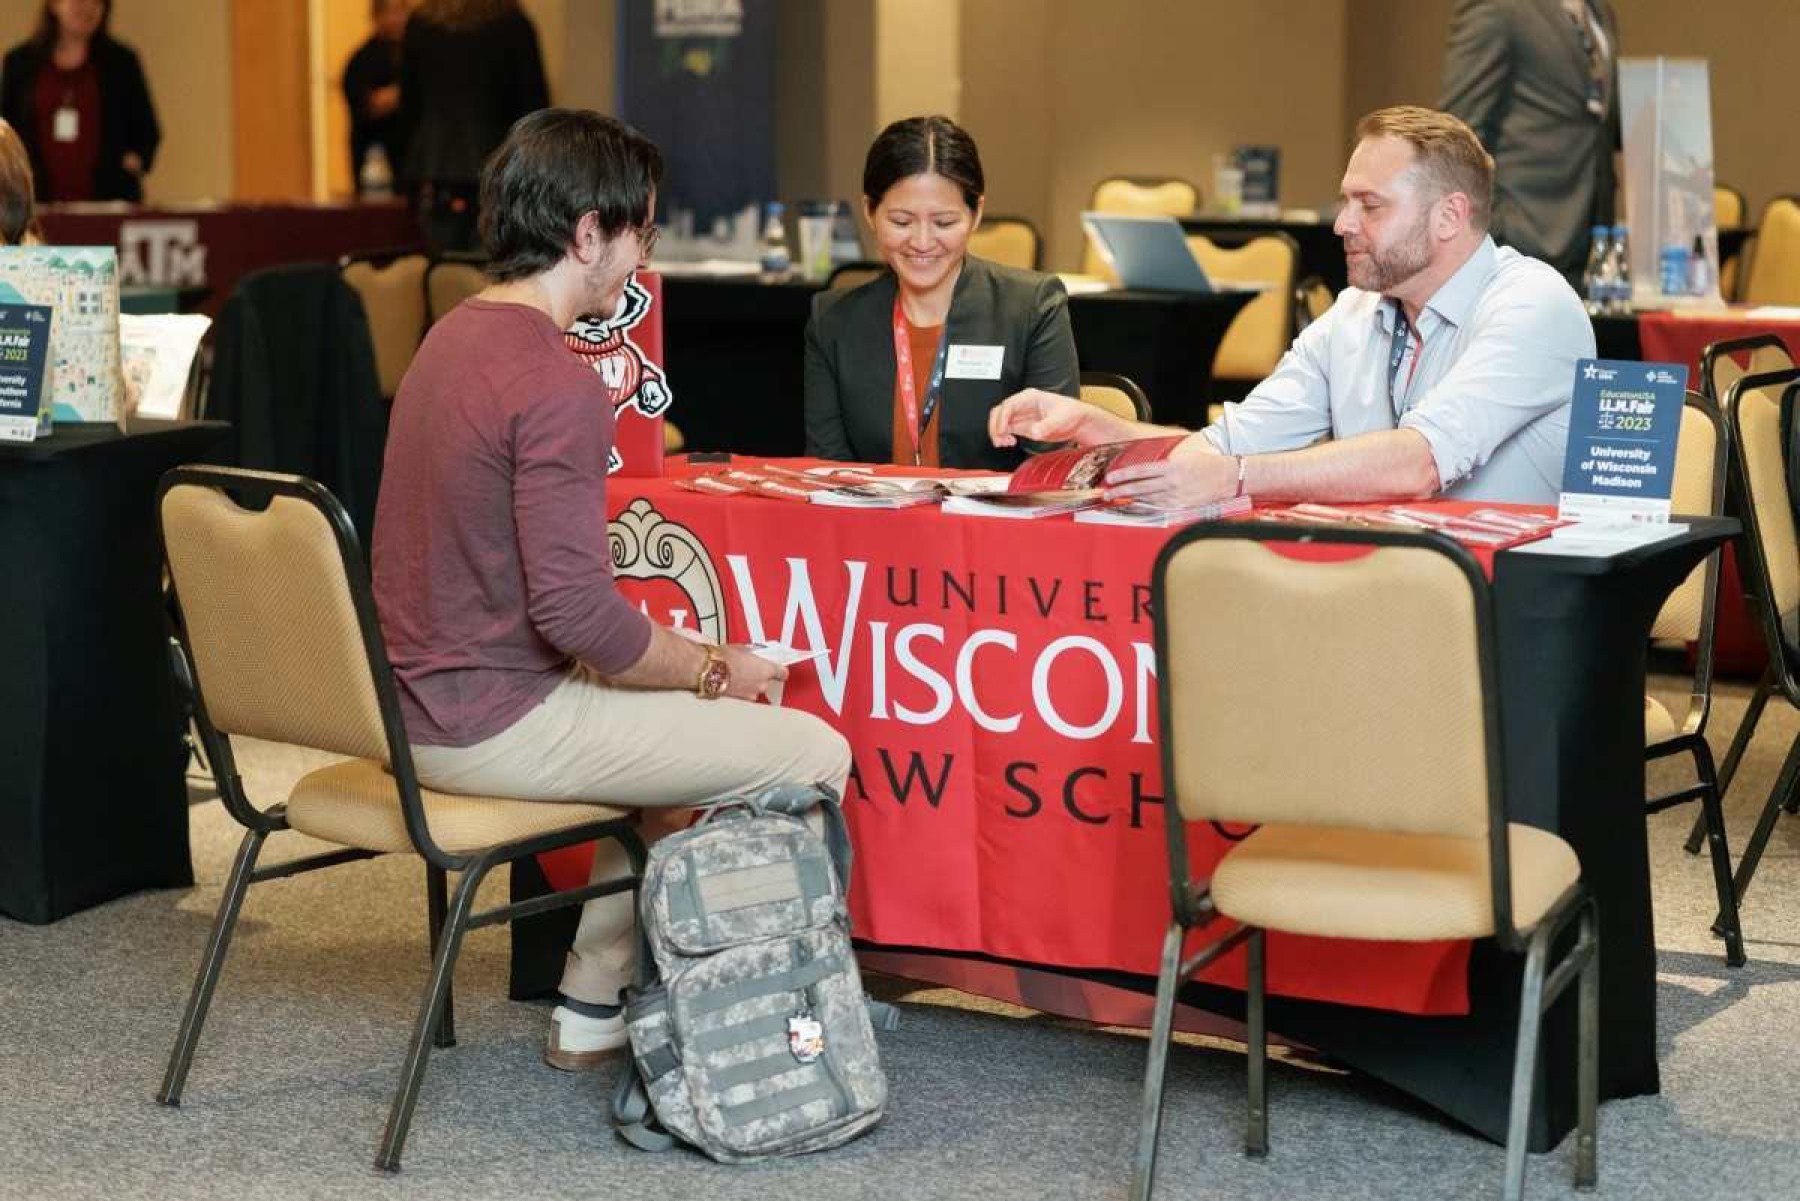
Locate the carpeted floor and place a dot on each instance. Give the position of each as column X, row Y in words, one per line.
column 295, row 1070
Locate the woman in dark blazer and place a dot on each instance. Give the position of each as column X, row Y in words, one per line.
column 79, row 102
column 972, row 332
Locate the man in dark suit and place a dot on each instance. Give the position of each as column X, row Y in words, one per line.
column 1538, row 82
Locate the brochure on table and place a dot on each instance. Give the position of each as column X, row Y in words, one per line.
column 24, row 372
column 1619, row 468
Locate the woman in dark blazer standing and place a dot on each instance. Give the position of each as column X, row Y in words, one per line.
column 905, row 368
column 79, row 102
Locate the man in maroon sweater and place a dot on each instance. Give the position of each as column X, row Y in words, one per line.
column 522, row 670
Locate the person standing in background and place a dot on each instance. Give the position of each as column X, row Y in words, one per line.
column 79, row 101
column 372, row 89
column 1538, row 82
column 469, row 69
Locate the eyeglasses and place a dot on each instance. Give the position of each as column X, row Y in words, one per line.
column 647, row 236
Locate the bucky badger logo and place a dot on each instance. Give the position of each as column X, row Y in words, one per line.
column 664, row 567
column 605, row 342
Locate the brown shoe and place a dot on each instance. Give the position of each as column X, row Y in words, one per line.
column 579, row 1043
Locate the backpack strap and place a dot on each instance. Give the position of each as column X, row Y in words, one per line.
column 797, row 800
column 631, row 1114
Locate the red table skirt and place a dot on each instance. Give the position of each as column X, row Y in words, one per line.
column 996, row 680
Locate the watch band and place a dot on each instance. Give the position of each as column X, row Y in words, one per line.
column 714, row 677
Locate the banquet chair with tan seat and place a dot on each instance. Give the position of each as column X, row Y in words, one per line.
column 1773, row 273
column 1116, row 394
column 392, row 290
column 1137, row 195
column 1360, row 834
column 855, row 274
column 1262, row 330
column 1690, row 616
column 1313, row 298
column 448, row 282
column 1760, row 410
column 1723, row 364
column 1010, row 241
column 1729, row 206
column 278, row 624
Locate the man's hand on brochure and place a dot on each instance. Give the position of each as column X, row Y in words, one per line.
column 1183, row 481
column 1046, row 417
column 751, row 674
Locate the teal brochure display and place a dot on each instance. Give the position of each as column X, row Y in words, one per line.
column 1619, row 469
column 24, row 372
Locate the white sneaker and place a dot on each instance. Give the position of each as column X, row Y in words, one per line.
column 579, row 1043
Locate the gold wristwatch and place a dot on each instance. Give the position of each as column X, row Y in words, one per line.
column 715, row 675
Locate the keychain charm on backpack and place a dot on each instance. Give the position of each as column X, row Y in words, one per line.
column 806, row 1036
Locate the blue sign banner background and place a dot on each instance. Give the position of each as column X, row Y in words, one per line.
column 1623, row 426
column 698, row 78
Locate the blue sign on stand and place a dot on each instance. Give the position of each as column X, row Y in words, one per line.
column 1623, row 426
column 24, row 358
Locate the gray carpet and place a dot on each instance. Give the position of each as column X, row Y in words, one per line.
column 293, row 1077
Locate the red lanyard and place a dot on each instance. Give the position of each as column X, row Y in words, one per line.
column 917, row 422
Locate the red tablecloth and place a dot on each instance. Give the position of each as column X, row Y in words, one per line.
column 1679, row 337
column 996, row 679
column 213, row 246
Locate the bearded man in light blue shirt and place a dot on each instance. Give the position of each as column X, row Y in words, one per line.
column 1445, row 368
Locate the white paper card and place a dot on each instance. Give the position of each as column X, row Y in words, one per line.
column 974, row 362
column 65, row 126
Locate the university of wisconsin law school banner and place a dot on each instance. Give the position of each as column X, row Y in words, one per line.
column 997, row 682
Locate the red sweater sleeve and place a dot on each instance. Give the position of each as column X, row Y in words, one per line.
column 562, row 432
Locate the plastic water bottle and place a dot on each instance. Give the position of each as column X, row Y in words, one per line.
column 375, row 179
column 776, row 262
column 1619, row 294
column 1595, row 286
column 1699, row 280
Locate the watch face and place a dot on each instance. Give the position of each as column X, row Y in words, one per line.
column 715, row 679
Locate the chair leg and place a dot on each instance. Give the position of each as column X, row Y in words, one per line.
column 436, row 891
column 1740, row 742
column 1765, row 825
column 1168, row 983
column 1531, row 1012
column 393, row 1140
column 1712, row 813
column 210, row 964
column 1256, row 1135
column 1587, row 1051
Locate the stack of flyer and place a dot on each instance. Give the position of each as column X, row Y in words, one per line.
column 1063, row 481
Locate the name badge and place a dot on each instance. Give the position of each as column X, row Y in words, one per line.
column 65, row 126
column 974, row 362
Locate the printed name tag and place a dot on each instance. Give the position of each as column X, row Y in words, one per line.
column 974, row 362
column 65, row 125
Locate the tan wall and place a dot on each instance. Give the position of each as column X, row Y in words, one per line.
column 1146, row 87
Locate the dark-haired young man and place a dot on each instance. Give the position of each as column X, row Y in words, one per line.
column 522, row 670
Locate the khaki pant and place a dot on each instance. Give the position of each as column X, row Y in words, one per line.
column 654, row 750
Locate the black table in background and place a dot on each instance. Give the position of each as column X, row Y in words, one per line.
column 1321, row 250
column 94, row 803
column 1616, row 337
column 734, row 351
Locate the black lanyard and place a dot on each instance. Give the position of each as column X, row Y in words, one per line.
column 1397, row 355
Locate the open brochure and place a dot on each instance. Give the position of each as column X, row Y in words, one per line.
column 1138, row 513
column 862, row 488
column 1063, row 481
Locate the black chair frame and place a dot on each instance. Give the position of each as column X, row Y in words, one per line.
column 1124, row 383
column 1690, row 738
column 1193, row 908
column 1780, row 673
column 450, row 917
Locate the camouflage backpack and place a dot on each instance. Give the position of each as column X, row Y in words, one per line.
column 750, row 1036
